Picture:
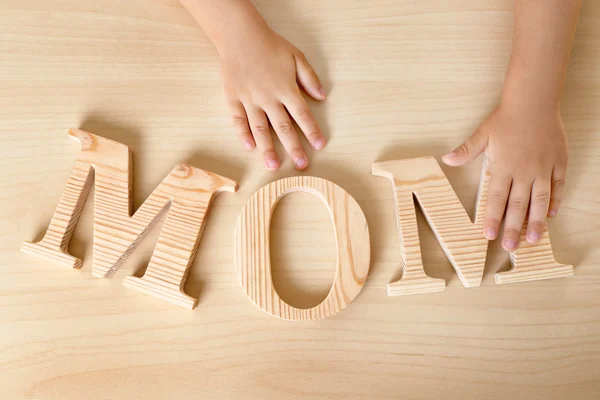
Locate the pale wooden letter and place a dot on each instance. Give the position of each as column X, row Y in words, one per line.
column 253, row 263
column 461, row 239
column 184, row 195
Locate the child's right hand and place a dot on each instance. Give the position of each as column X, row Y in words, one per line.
column 262, row 76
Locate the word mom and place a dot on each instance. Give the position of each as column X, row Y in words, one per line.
column 185, row 197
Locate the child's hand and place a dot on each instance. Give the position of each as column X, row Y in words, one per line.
column 527, row 152
column 262, row 75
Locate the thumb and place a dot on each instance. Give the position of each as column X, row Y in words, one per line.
column 468, row 151
column 308, row 78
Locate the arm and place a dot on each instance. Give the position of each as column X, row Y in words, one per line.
column 262, row 75
column 543, row 34
column 524, row 137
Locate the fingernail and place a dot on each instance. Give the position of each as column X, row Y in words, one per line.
column 489, row 234
column 321, row 91
column 301, row 162
column 272, row 164
column 450, row 156
column 248, row 145
column 319, row 144
column 533, row 236
column 552, row 213
column 509, row 244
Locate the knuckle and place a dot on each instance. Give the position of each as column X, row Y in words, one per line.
column 284, row 127
column 230, row 94
column 260, row 130
column 512, row 232
column 558, row 183
column 239, row 119
column 314, row 135
column 497, row 198
column 537, row 226
column 304, row 113
column 563, row 159
column 297, row 151
column 492, row 222
column 464, row 148
column 517, row 204
column 542, row 197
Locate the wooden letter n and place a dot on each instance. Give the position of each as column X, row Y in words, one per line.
column 461, row 239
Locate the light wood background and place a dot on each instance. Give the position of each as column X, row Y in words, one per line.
column 405, row 79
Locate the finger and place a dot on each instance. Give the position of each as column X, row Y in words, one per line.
column 240, row 122
column 287, row 134
column 299, row 110
column 469, row 150
column 518, row 203
column 308, row 78
column 558, row 189
column 538, row 209
column 496, row 204
column 262, row 135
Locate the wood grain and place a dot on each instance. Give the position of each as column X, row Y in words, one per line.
column 252, row 248
column 404, row 79
column 533, row 262
column 461, row 239
column 184, row 195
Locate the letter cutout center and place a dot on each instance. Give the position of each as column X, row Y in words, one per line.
column 252, row 248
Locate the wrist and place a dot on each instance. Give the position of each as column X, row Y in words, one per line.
column 229, row 24
column 531, row 86
column 528, row 95
column 242, row 34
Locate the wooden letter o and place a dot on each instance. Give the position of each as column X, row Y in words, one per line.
column 252, row 250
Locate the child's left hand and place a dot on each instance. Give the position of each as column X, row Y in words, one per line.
column 527, row 155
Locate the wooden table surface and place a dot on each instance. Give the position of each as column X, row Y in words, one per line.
column 405, row 79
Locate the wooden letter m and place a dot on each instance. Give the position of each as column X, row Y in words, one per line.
column 184, row 195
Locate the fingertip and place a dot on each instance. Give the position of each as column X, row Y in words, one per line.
column 490, row 234
column 249, row 145
column 301, row 163
column 533, row 237
column 319, row 144
column 509, row 244
column 321, row 94
column 453, row 159
column 316, row 93
column 308, row 79
column 272, row 165
column 447, row 158
column 534, row 231
column 271, row 161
